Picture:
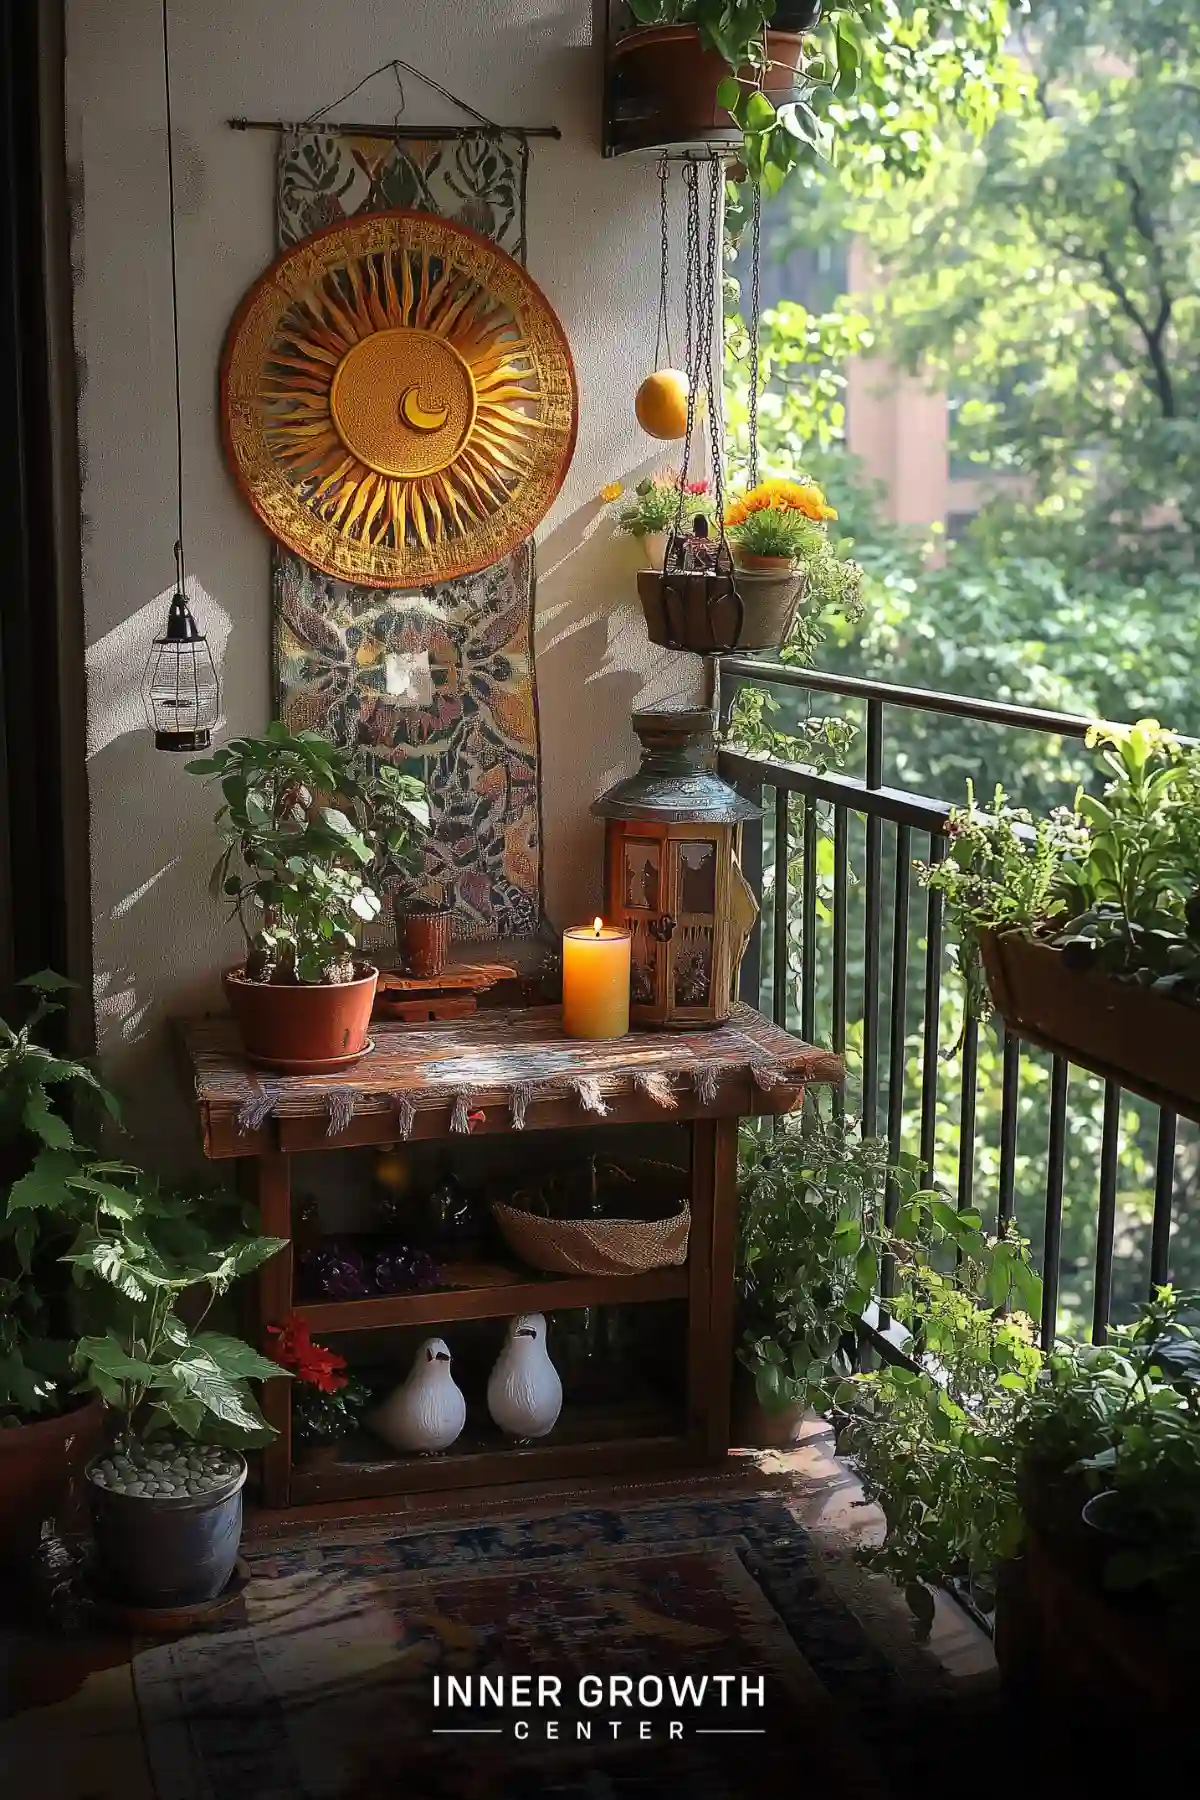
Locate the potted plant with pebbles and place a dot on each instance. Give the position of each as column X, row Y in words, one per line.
column 166, row 1499
column 307, row 829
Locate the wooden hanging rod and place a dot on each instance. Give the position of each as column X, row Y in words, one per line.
column 398, row 132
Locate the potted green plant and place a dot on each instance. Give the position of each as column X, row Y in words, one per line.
column 327, row 1401
column 933, row 1438
column 307, row 829
column 1082, row 929
column 647, row 512
column 811, row 1236
column 166, row 1498
column 51, row 1179
column 706, row 69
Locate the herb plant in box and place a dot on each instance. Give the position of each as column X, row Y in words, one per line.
column 327, row 1401
column 308, row 831
column 166, row 1499
column 1082, row 929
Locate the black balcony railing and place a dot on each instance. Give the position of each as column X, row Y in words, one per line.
column 851, row 952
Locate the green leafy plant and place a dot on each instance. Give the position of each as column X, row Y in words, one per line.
column 152, row 1268
column 1121, row 1421
column 308, row 831
column 933, row 1440
column 811, row 1236
column 52, row 1180
column 653, row 505
column 1115, row 883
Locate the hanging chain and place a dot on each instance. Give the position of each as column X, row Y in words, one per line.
column 662, row 335
column 755, row 315
column 693, row 330
column 712, row 254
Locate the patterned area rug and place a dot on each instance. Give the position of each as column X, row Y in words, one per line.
column 439, row 680
column 328, row 1687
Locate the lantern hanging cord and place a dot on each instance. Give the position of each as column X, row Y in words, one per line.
column 662, row 335
column 180, row 567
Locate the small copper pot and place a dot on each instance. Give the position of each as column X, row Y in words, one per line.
column 423, row 938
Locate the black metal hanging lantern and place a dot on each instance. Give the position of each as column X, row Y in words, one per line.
column 180, row 691
column 181, row 695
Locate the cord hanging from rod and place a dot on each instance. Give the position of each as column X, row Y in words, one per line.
column 181, row 694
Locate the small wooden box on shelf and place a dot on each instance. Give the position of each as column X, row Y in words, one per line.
column 498, row 1072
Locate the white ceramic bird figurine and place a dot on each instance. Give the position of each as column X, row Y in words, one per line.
column 524, row 1393
column 427, row 1411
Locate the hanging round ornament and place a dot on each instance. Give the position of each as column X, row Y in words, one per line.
column 398, row 400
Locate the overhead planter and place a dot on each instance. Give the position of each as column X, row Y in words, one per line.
column 666, row 88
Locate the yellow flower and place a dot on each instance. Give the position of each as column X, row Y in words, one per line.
column 612, row 490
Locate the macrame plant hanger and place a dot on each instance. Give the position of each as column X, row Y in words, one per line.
column 691, row 556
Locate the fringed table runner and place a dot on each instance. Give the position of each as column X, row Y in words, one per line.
column 491, row 1069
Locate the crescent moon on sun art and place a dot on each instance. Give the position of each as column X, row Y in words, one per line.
column 398, row 400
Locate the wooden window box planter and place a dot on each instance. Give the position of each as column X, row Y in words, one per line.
column 1148, row 1042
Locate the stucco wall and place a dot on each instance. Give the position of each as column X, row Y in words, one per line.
column 593, row 235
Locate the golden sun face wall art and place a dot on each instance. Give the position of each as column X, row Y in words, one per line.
column 398, row 400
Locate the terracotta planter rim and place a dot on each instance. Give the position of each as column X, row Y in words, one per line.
column 367, row 972
column 643, row 35
column 55, row 1424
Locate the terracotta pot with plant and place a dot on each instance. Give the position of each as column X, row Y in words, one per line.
column 310, row 831
column 166, row 1498
column 53, row 1183
column 706, row 70
column 327, row 1401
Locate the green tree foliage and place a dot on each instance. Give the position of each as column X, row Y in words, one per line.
column 1043, row 271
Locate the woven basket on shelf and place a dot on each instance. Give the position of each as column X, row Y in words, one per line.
column 595, row 1246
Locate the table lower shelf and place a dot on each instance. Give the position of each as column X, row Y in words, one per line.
column 614, row 1438
column 506, row 1294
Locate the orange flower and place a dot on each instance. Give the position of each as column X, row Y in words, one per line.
column 612, row 490
column 781, row 496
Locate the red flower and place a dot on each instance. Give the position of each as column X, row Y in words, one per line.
column 312, row 1363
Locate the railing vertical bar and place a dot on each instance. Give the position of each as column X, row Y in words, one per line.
column 896, row 1049
column 840, row 898
column 933, row 1009
column 750, row 978
column 874, row 907
column 966, row 1115
column 1106, row 1212
column 1055, row 1161
column 808, row 922
column 779, row 920
column 1164, row 1194
column 1010, row 1097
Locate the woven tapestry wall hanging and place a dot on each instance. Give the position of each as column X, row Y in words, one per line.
column 437, row 677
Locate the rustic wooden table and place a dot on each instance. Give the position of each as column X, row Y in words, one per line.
column 500, row 1072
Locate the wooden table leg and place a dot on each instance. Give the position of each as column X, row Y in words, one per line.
column 722, row 1317
column 699, row 1387
column 272, row 1183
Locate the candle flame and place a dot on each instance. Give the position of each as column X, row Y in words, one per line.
column 597, row 926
